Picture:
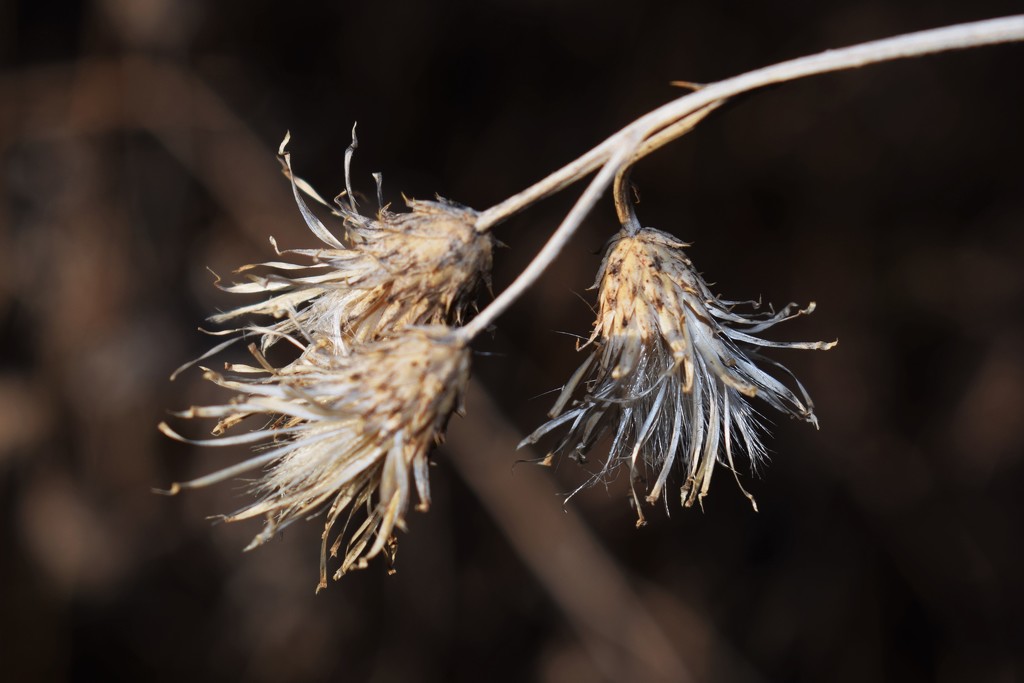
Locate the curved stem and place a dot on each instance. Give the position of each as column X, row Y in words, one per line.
column 623, row 202
column 627, row 146
column 623, row 205
column 960, row 36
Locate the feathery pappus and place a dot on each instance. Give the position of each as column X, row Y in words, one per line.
column 420, row 267
column 341, row 432
column 671, row 373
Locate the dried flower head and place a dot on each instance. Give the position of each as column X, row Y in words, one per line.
column 421, row 267
column 344, row 432
column 672, row 372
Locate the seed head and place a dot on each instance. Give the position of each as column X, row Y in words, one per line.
column 344, row 432
column 671, row 373
column 421, row 267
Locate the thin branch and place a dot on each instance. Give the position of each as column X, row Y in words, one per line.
column 960, row 36
column 620, row 188
column 627, row 147
column 623, row 202
column 614, row 623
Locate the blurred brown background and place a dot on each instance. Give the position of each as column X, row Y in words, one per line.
column 137, row 142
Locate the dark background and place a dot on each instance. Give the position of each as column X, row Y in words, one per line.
column 137, row 144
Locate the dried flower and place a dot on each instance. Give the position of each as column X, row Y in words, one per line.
column 422, row 267
column 345, row 431
column 672, row 372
